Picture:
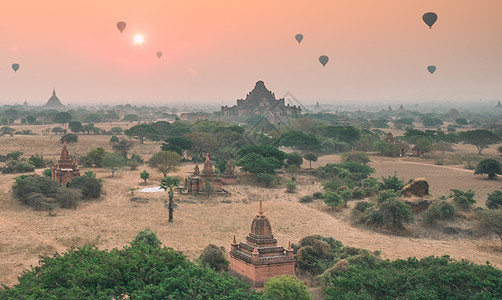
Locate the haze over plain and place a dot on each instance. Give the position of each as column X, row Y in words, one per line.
column 215, row 51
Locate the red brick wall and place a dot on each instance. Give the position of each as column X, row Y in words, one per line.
column 259, row 274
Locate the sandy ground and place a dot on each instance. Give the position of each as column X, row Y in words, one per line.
column 114, row 220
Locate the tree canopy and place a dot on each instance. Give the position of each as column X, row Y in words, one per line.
column 480, row 138
column 490, row 167
column 165, row 161
column 142, row 131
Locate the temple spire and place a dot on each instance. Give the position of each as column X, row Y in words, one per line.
column 53, row 91
column 235, row 241
column 260, row 211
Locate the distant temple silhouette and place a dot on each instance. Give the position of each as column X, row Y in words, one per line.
column 261, row 101
column 53, row 101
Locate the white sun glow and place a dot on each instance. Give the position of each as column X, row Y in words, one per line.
column 138, row 39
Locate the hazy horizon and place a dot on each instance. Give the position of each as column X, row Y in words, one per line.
column 214, row 52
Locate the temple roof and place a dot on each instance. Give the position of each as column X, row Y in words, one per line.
column 54, row 101
column 259, row 93
column 261, row 231
column 208, row 167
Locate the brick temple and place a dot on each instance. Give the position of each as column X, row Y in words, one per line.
column 195, row 182
column 65, row 169
column 259, row 258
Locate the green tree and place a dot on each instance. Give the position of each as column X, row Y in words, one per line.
column 443, row 147
column 267, row 179
column 123, row 147
column 214, row 258
column 58, row 130
column 147, row 237
column 75, row 126
column 177, row 144
column 311, row 157
column 391, row 183
column 255, row 163
column 165, row 161
column 168, row 183
column 494, row 200
column 332, row 199
column 396, row 212
column 37, row 161
column 116, row 130
column 286, row 287
column 463, row 199
column 15, row 155
column 90, row 186
column 202, row 144
column 424, row 144
column 489, row 166
column 113, row 161
column 139, row 271
column 265, row 151
column 62, row 118
column 131, row 118
column 299, row 140
column 7, row 130
column 31, row 119
column 207, row 188
column 491, row 220
column 291, row 186
column 114, row 139
column 144, row 175
column 480, row 138
column 294, row 159
column 95, row 157
column 69, row 138
column 142, row 131
column 358, row 156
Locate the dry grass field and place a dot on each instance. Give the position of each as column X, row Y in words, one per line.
column 114, row 220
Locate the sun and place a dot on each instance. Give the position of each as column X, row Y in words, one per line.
column 138, row 39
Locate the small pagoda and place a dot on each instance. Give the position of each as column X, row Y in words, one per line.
column 228, row 177
column 65, row 169
column 259, row 258
column 195, row 182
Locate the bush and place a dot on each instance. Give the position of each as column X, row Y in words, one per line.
column 291, row 186
column 395, row 212
column 359, row 157
column 386, row 195
column 47, row 172
column 37, row 161
column 214, row 258
column 42, row 193
column 362, row 206
column 317, row 195
column 440, row 211
column 464, row 200
column 332, row 199
column 391, row 183
column 69, row 138
column 286, row 287
column 267, row 179
column 114, row 139
column 90, row 186
column 306, row 199
column 358, row 193
column 147, row 237
column 494, row 200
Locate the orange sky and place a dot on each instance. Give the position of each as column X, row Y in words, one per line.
column 215, row 50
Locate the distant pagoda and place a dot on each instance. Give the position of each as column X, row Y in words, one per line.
column 261, row 101
column 498, row 105
column 54, row 102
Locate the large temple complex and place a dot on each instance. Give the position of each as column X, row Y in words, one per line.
column 259, row 258
column 261, row 101
column 65, row 169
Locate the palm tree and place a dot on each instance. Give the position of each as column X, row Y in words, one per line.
column 170, row 182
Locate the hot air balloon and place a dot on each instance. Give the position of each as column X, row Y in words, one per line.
column 323, row 59
column 430, row 18
column 121, row 26
column 431, row 69
column 159, row 54
column 15, row 67
column 299, row 37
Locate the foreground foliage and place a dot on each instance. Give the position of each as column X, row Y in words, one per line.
column 140, row 271
column 286, row 288
column 428, row 278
